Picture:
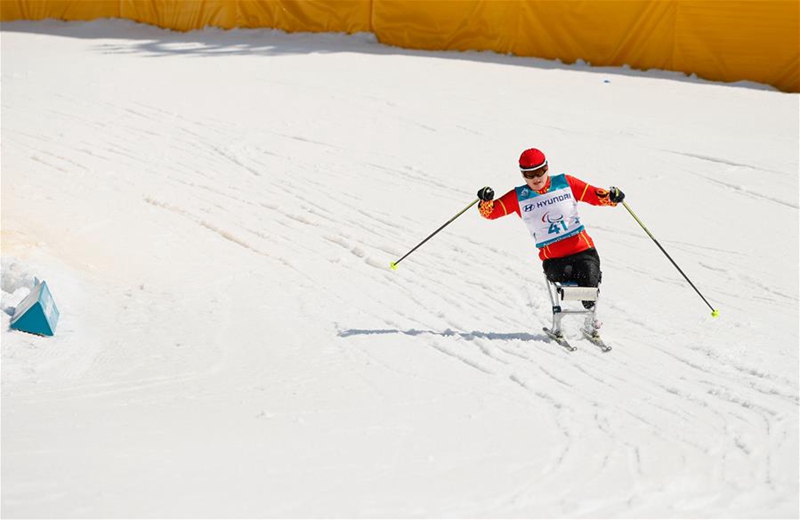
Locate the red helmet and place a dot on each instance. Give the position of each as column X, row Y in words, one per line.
column 532, row 159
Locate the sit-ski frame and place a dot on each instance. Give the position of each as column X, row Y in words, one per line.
column 561, row 292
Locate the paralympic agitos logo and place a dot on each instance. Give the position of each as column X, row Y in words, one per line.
column 547, row 218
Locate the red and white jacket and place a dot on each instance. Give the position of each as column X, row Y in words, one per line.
column 558, row 247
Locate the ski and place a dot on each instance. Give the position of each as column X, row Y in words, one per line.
column 560, row 339
column 595, row 339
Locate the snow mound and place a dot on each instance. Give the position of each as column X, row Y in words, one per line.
column 17, row 283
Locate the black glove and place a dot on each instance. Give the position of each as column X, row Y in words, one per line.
column 486, row 193
column 615, row 195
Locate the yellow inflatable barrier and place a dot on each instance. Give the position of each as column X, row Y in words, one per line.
column 716, row 39
column 720, row 40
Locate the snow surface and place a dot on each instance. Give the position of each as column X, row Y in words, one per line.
column 215, row 213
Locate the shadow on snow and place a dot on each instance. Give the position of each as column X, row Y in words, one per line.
column 448, row 333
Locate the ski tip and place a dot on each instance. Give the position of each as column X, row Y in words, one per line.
column 715, row 313
column 393, row 266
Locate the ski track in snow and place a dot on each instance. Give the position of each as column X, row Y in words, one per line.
column 679, row 419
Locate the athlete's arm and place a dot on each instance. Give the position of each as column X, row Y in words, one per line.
column 584, row 192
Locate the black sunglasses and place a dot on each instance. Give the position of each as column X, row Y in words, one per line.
column 534, row 174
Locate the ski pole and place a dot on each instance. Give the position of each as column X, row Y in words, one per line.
column 714, row 312
column 393, row 265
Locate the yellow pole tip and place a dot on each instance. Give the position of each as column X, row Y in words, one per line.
column 715, row 313
column 393, row 266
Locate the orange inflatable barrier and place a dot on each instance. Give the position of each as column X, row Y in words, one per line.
column 722, row 40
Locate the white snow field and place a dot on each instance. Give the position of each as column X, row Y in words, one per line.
column 215, row 213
